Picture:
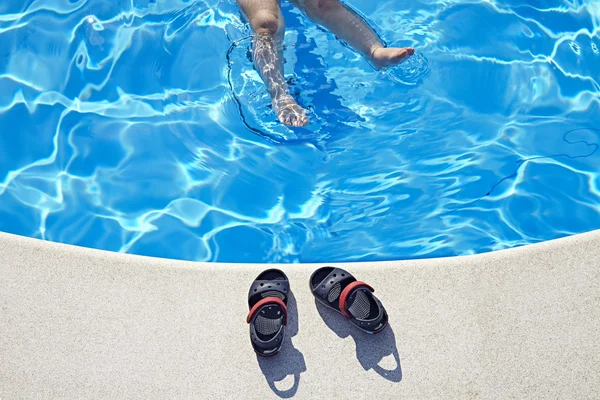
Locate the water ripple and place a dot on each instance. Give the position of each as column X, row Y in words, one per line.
column 142, row 127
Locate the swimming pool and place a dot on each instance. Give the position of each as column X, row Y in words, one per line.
column 142, row 127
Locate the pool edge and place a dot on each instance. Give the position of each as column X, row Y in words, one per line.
column 87, row 323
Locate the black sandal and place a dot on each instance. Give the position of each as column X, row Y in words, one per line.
column 339, row 290
column 267, row 300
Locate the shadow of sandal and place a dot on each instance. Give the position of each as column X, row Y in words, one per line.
column 289, row 361
column 371, row 350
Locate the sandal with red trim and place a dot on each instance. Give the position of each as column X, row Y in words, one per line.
column 339, row 290
column 267, row 300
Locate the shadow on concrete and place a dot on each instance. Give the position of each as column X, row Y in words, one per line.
column 370, row 349
column 289, row 362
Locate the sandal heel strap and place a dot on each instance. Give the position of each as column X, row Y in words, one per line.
column 346, row 292
column 265, row 301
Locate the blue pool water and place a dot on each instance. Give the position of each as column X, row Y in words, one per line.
column 140, row 126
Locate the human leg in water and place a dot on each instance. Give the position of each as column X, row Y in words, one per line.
column 268, row 25
column 347, row 25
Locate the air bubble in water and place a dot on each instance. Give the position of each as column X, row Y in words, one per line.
column 527, row 32
column 575, row 48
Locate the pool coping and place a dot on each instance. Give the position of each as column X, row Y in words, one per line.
column 83, row 323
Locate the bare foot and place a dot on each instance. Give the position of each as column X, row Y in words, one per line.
column 384, row 57
column 289, row 112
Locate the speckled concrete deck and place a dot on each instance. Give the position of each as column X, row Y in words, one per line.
column 79, row 323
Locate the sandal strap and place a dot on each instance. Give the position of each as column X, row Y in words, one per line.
column 265, row 301
column 346, row 293
column 337, row 276
column 264, row 289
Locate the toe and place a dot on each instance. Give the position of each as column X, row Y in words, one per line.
column 296, row 121
column 285, row 119
column 292, row 115
column 403, row 53
column 302, row 119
